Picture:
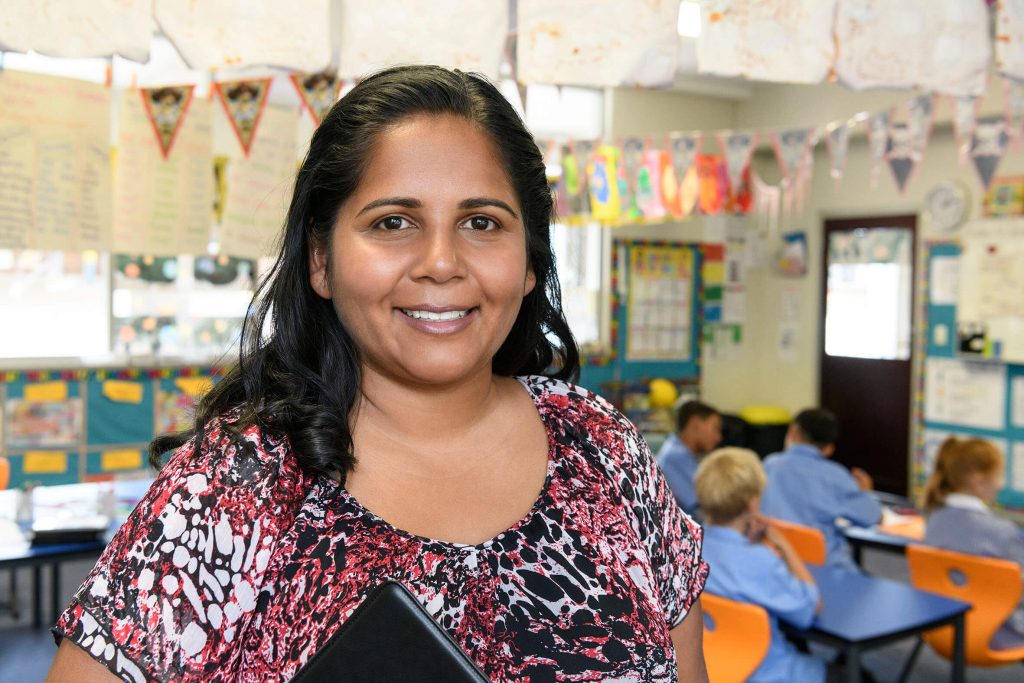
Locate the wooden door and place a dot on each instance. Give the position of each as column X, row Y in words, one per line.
column 866, row 342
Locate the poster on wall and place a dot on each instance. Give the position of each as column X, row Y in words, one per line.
column 43, row 424
column 963, row 393
column 659, row 310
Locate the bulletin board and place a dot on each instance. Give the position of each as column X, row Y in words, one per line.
column 966, row 393
column 69, row 426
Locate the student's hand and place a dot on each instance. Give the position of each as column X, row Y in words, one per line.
column 863, row 479
column 775, row 539
column 757, row 528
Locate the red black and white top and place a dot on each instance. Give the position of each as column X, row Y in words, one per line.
column 239, row 567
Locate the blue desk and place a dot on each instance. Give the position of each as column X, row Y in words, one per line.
column 870, row 537
column 863, row 612
column 52, row 556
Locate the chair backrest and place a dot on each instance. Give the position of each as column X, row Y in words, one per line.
column 736, row 638
column 808, row 542
column 991, row 586
column 5, row 473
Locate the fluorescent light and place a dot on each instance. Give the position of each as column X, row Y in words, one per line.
column 689, row 18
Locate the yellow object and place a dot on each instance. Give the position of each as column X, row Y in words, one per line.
column 662, row 393
column 126, row 459
column 45, row 462
column 122, row 392
column 737, row 639
column 766, row 415
column 194, row 386
column 714, row 273
column 46, row 391
column 991, row 586
column 807, row 542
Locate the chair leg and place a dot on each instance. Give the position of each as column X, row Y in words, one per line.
column 909, row 665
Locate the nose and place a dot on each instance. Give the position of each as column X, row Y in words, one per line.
column 439, row 255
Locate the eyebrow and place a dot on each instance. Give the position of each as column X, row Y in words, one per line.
column 411, row 203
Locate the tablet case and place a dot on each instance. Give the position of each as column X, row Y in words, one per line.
column 390, row 637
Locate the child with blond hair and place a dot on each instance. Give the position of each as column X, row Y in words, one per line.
column 968, row 475
column 752, row 562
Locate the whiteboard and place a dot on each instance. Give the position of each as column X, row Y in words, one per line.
column 991, row 297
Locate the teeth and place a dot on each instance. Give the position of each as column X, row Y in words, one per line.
column 436, row 317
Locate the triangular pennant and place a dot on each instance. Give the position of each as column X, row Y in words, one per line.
column 838, row 142
column 878, row 141
column 900, row 154
column 244, row 102
column 649, row 184
column 920, row 120
column 790, row 146
column 965, row 112
column 683, row 148
column 1013, row 96
column 318, row 91
column 629, row 169
column 166, row 108
column 738, row 146
column 988, row 146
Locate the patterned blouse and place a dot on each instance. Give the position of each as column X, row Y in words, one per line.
column 238, row 565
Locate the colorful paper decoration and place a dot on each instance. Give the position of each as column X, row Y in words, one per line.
column 920, row 121
column 768, row 40
column 965, row 112
column 878, row 141
column 907, row 44
column 901, row 154
column 318, row 91
column 713, row 180
column 243, row 102
column 649, row 185
column 631, row 157
column 602, row 178
column 790, row 148
column 988, row 147
column 166, row 108
column 575, row 42
column 682, row 150
column 1009, row 41
column 78, row 28
column 791, row 260
column 737, row 146
column 838, row 141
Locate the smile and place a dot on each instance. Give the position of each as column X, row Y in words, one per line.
column 432, row 316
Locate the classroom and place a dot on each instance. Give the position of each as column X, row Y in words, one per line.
column 779, row 229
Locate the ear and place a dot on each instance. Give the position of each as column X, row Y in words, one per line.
column 318, row 271
column 828, row 450
column 531, row 281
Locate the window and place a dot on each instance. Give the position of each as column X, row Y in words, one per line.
column 581, row 256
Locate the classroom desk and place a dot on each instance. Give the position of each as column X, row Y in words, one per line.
column 48, row 555
column 863, row 612
column 876, row 539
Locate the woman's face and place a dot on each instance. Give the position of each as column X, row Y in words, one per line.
column 428, row 262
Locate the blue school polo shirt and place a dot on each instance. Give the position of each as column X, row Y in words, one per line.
column 807, row 488
column 751, row 572
column 679, row 466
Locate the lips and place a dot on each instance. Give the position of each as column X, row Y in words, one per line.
column 436, row 316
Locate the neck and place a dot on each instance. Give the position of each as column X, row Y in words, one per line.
column 690, row 442
column 740, row 524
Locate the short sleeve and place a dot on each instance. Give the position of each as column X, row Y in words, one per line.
column 177, row 585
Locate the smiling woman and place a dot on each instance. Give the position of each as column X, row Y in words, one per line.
column 408, row 417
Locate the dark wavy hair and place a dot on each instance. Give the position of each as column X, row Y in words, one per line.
column 297, row 374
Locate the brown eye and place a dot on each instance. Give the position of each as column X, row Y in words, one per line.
column 391, row 223
column 481, row 223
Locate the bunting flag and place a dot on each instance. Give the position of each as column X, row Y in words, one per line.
column 243, row 103
column 988, row 147
column 648, row 184
column 878, row 141
column 318, row 91
column 682, row 151
column 790, row 146
column 965, row 113
column 920, row 121
column 1013, row 96
column 767, row 204
column 713, row 183
column 838, row 141
column 738, row 146
column 901, row 154
column 602, row 177
column 166, row 108
column 632, row 151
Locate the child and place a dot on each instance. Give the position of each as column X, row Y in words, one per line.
column 968, row 475
column 739, row 546
column 698, row 430
column 805, row 487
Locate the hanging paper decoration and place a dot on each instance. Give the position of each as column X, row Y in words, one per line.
column 767, row 204
column 1013, row 96
column 575, row 42
column 318, row 91
column 965, row 112
column 78, row 28
column 838, row 141
column 769, row 40
column 901, row 154
column 683, row 149
column 907, row 44
column 570, row 194
column 878, row 141
column 602, row 175
column 244, row 102
column 713, row 181
column 1010, row 38
column 790, row 146
column 225, row 33
column 671, row 191
column 166, row 108
column 629, row 170
column 738, row 147
column 690, row 191
column 920, row 121
column 648, row 185
column 988, row 147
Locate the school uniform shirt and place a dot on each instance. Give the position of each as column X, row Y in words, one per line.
column 806, row 487
column 679, row 466
column 239, row 564
column 965, row 524
column 752, row 572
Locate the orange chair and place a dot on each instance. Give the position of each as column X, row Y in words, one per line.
column 5, row 473
column 991, row 586
column 736, row 638
column 808, row 542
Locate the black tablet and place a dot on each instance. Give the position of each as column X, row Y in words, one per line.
column 390, row 637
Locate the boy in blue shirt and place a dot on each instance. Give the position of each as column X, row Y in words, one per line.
column 698, row 431
column 806, row 487
column 752, row 562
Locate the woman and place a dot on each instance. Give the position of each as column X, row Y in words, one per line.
column 396, row 423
